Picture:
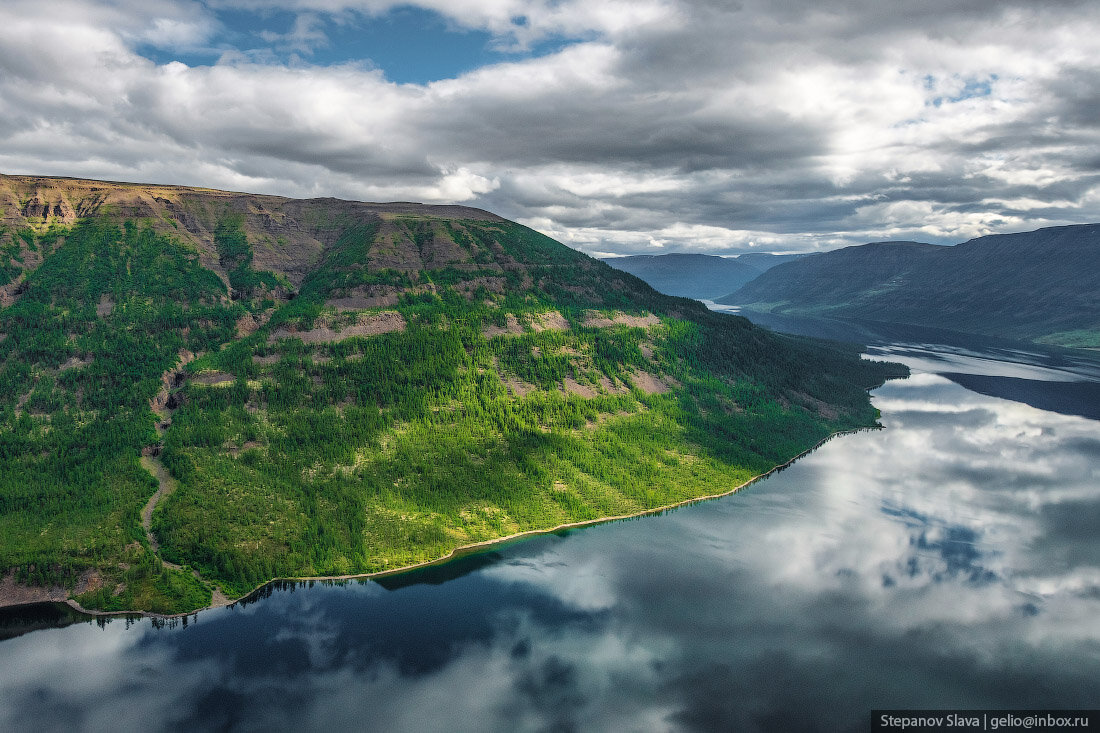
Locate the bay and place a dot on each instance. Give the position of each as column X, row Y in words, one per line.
column 948, row 560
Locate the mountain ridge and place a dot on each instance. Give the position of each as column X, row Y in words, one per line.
column 1037, row 285
column 692, row 275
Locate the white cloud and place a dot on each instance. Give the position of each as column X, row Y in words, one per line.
column 676, row 125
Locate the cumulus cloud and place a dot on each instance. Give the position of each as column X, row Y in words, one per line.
column 667, row 125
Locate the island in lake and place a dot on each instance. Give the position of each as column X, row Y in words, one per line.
column 201, row 391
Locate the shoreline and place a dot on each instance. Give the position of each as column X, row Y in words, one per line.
column 462, row 550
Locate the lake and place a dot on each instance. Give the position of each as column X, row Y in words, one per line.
column 949, row 560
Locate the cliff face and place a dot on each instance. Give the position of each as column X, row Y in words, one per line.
column 287, row 235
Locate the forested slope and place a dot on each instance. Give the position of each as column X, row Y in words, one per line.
column 1037, row 286
column 332, row 387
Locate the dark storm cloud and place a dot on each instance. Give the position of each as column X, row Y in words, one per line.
column 623, row 132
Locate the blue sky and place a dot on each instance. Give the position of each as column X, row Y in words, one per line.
column 615, row 126
column 408, row 44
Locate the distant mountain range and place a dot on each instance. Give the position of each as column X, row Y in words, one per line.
column 696, row 275
column 1041, row 286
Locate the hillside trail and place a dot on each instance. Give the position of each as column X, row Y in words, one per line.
column 166, row 485
column 163, row 407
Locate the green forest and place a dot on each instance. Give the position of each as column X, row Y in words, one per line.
column 513, row 385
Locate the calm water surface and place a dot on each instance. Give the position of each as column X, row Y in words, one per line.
column 949, row 560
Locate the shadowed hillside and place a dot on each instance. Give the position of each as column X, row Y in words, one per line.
column 1040, row 286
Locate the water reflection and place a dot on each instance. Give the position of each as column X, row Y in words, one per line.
column 948, row 560
column 1033, row 364
column 1068, row 398
column 18, row 620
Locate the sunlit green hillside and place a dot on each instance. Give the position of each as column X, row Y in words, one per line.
column 315, row 388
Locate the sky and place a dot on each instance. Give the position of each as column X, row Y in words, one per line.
column 617, row 127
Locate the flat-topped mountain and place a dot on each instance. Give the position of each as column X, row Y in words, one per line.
column 1040, row 286
column 286, row 235
column 201, row 391
column 697, row 275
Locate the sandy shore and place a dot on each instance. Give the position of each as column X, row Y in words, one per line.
column 22, row 595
